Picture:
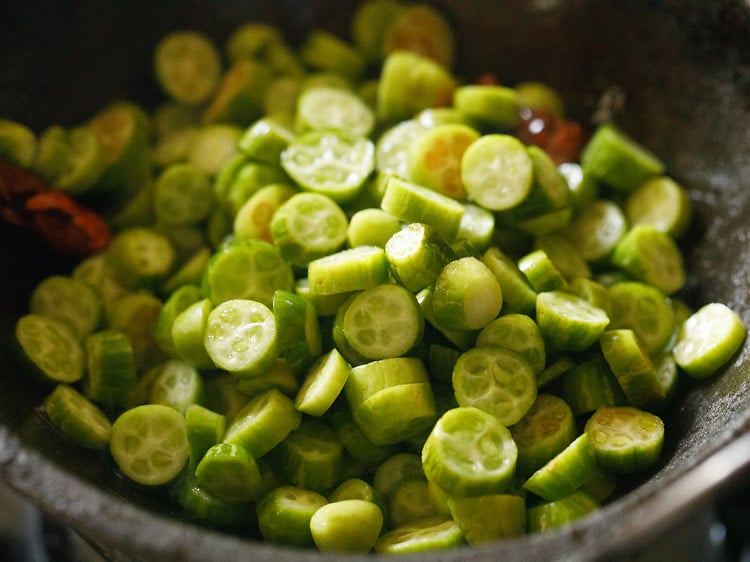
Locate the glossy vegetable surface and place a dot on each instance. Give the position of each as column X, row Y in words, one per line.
column 688, row 449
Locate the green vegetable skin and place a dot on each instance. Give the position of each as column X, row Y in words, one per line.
column 369, row 323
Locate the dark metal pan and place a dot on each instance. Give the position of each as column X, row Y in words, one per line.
column 683, row 70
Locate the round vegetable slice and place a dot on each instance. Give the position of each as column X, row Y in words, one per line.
column 625, row 439
column 383, row 321
column 708, row 339
column 50, row 348
column 230, row 473
column 496, row 380
column 346, row 526
column 241, row 336
column 469, row 452
column 334, row 109
column 188, row 66
column 149, row 444
column 568, row 321
column 497, row 172
column 332, row 163
column 308, row 226
column 78, row 419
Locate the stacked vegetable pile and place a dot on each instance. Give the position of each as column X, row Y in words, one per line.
column 361, row 309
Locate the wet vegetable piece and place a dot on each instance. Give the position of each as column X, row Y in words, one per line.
column 354, row 299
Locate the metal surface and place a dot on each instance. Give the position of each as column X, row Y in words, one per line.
column 683, row 69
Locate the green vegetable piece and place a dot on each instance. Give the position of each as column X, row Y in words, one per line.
column 311, row 456
column 149, row 444
column 18, row 143
column 135, row 315
column 79, row 420
column 177, row 302
column 325, row 52
column 323, row 383
column 633, row 368
column 205, row 428
column 183, row 195
column 544, row 431
column 708, row 339
column 308, row 226
column 518, row 296
column 357, row 446
column 346, row 526
column 477, row 227
column 584, row 190
column 625, row 439
column 651, row 256
column 331, row 163
column 263, row 423
column 284, row 515
column 396, row 413
column 70, row 300
column 251, row 40
column 540, row 97
column 435, row 158
column 188, row 66
column 663, row 203
column 496, row 380
column 348, row 270
column 614, row 158
column 393, row 148
column 410, row 82
column 265, row 140
column 491, row 107
column 371, row 227
column 546, row 207
column 469, row 452
column 488, row 518
column 111, row 368
column 423, row 29
column 383, row 321
column 178, row 385
column 140, row 258
column 416, row 255
column 467, row 296
column 589, row 385
column 253, row 219
column 229, row 473
column 591, row 291
column 556, row 513
column 412, row 203
column 596, row 229
column 516, row 332
column 247, row 269
column 370, row 23
column 643, row 309
column 188, row 334
column 239, row 97
column 497, row 172
column 211, row 146
column 411, row 500
column 204, row 506
column 541, row 272
column 241, row 337
column 440, row 532
column 72, row 160
column 279, row 375
column 569, row 322
column 565, row 472
column 299, row 339
column 333, row 109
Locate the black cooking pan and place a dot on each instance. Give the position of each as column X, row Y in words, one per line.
column 681, row 72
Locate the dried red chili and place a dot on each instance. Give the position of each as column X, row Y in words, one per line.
column 560, row 138
column 63, row 223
